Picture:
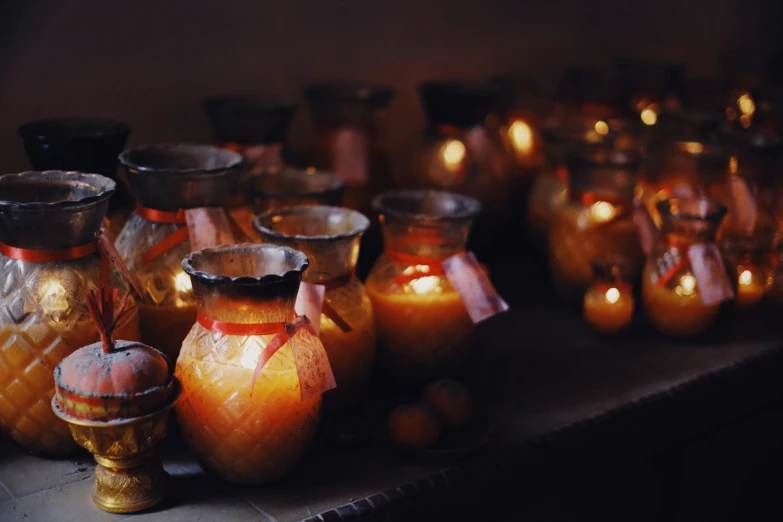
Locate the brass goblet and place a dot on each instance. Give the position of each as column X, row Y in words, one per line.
column 129, row 476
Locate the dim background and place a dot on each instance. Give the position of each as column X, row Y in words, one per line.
column 150, row 62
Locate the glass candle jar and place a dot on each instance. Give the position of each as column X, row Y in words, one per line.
column 330, row 238
column 422, row 322
column 256, row 126
column 49, row 222
column 608, row 301
column 569, row 133
column 244, row 429
column 294, row 188
column 352, row 141
column 82, row 145
column 460, row 153
column 672, row 295
column 754, row 188
column 683, row 169
column 749, row 260
column 596, row 222
column 168, row 179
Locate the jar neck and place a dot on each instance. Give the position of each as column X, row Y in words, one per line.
column 682, row 234
column 331, row 260
column 439, row 240
column 254, row 303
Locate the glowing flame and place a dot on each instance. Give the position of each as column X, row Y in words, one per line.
column 745, row 277
column 601, row 127
column 521, row 136
column 425, row 285
column 453, row 153
column 182, row 282
column 733, row 165
column 649, row 116
column 612, row 295
column 603, row 211
column 746, row 104
column 694, row 147
column 687, row 285
column 54, row 298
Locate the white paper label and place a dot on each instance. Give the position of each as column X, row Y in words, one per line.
column 744, row 214
column 309, row 302
column 474, row 287
column 312, row 363
column 710, row 273
column 648, row 232
column 208, row 227
column 350, row 156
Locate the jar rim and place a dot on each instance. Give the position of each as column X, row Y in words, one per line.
column 330, row 183
column 298, row 264
column 96, row 188
column 693, row 209
column 399, row 204
column 74, row 128
column 196, row 159
column 360, row 223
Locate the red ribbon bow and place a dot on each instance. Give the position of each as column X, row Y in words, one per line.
column 282, row 332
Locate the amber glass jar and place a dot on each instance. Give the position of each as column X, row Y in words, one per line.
column 750, row 261
column 351, row 137
column 43, row 312
column 609, row 301
column 422, row 322
column 330, row 238
column 256, row 126
column 683, row 169
column 166, row 180
column 673, row 300
column 596, row 222
column 82, row 145
column 245, row 430
column 294, row 188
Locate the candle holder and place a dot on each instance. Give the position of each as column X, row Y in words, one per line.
column 167, row 180
column 248, row 410
column 459, row 152
column 749, row 260
column 674, row 300
column 49, row 260
column 294, row 188
column 422, row 322
column 83, row 145
column 683, row 169
column 256, row 126
column 329, row 236
column 609, row 301
column 351, row 137
column 597, row 222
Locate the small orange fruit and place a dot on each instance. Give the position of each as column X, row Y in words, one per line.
column 414, row 425
column 451, row 400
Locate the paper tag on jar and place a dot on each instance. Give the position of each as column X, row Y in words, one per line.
column 648, row 232
column 264, row 158
column 110, row 252
column 312, row 363
column 350, row 161
column 309, row 302
column 744, row 214
column 208, row 227
column 710, row 273
column 471, row 282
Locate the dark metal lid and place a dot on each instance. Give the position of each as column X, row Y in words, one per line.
column 458, row 103
column 249, row 119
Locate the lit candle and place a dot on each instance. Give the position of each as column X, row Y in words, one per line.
column 608, row 308
column 751, row 286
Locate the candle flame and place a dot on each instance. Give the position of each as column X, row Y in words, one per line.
column 54, row 299
column 745, row 277
column 453, row 152
column 612, row 295
column 182, row 282
column 603, row 211
column 521, row 136
column 425, row 285
column 649, row 116
column 601, row 127
column 687, row 285
column 694, row 147
column 746, row 104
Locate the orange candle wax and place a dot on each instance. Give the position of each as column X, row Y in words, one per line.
column 750, row 288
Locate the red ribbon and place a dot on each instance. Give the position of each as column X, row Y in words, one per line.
column 434, row 266
column 282, row 332
column 674, row 270
column 168, row 242
column 48, row 256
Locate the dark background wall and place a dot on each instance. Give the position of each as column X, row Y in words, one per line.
column 149, row 62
